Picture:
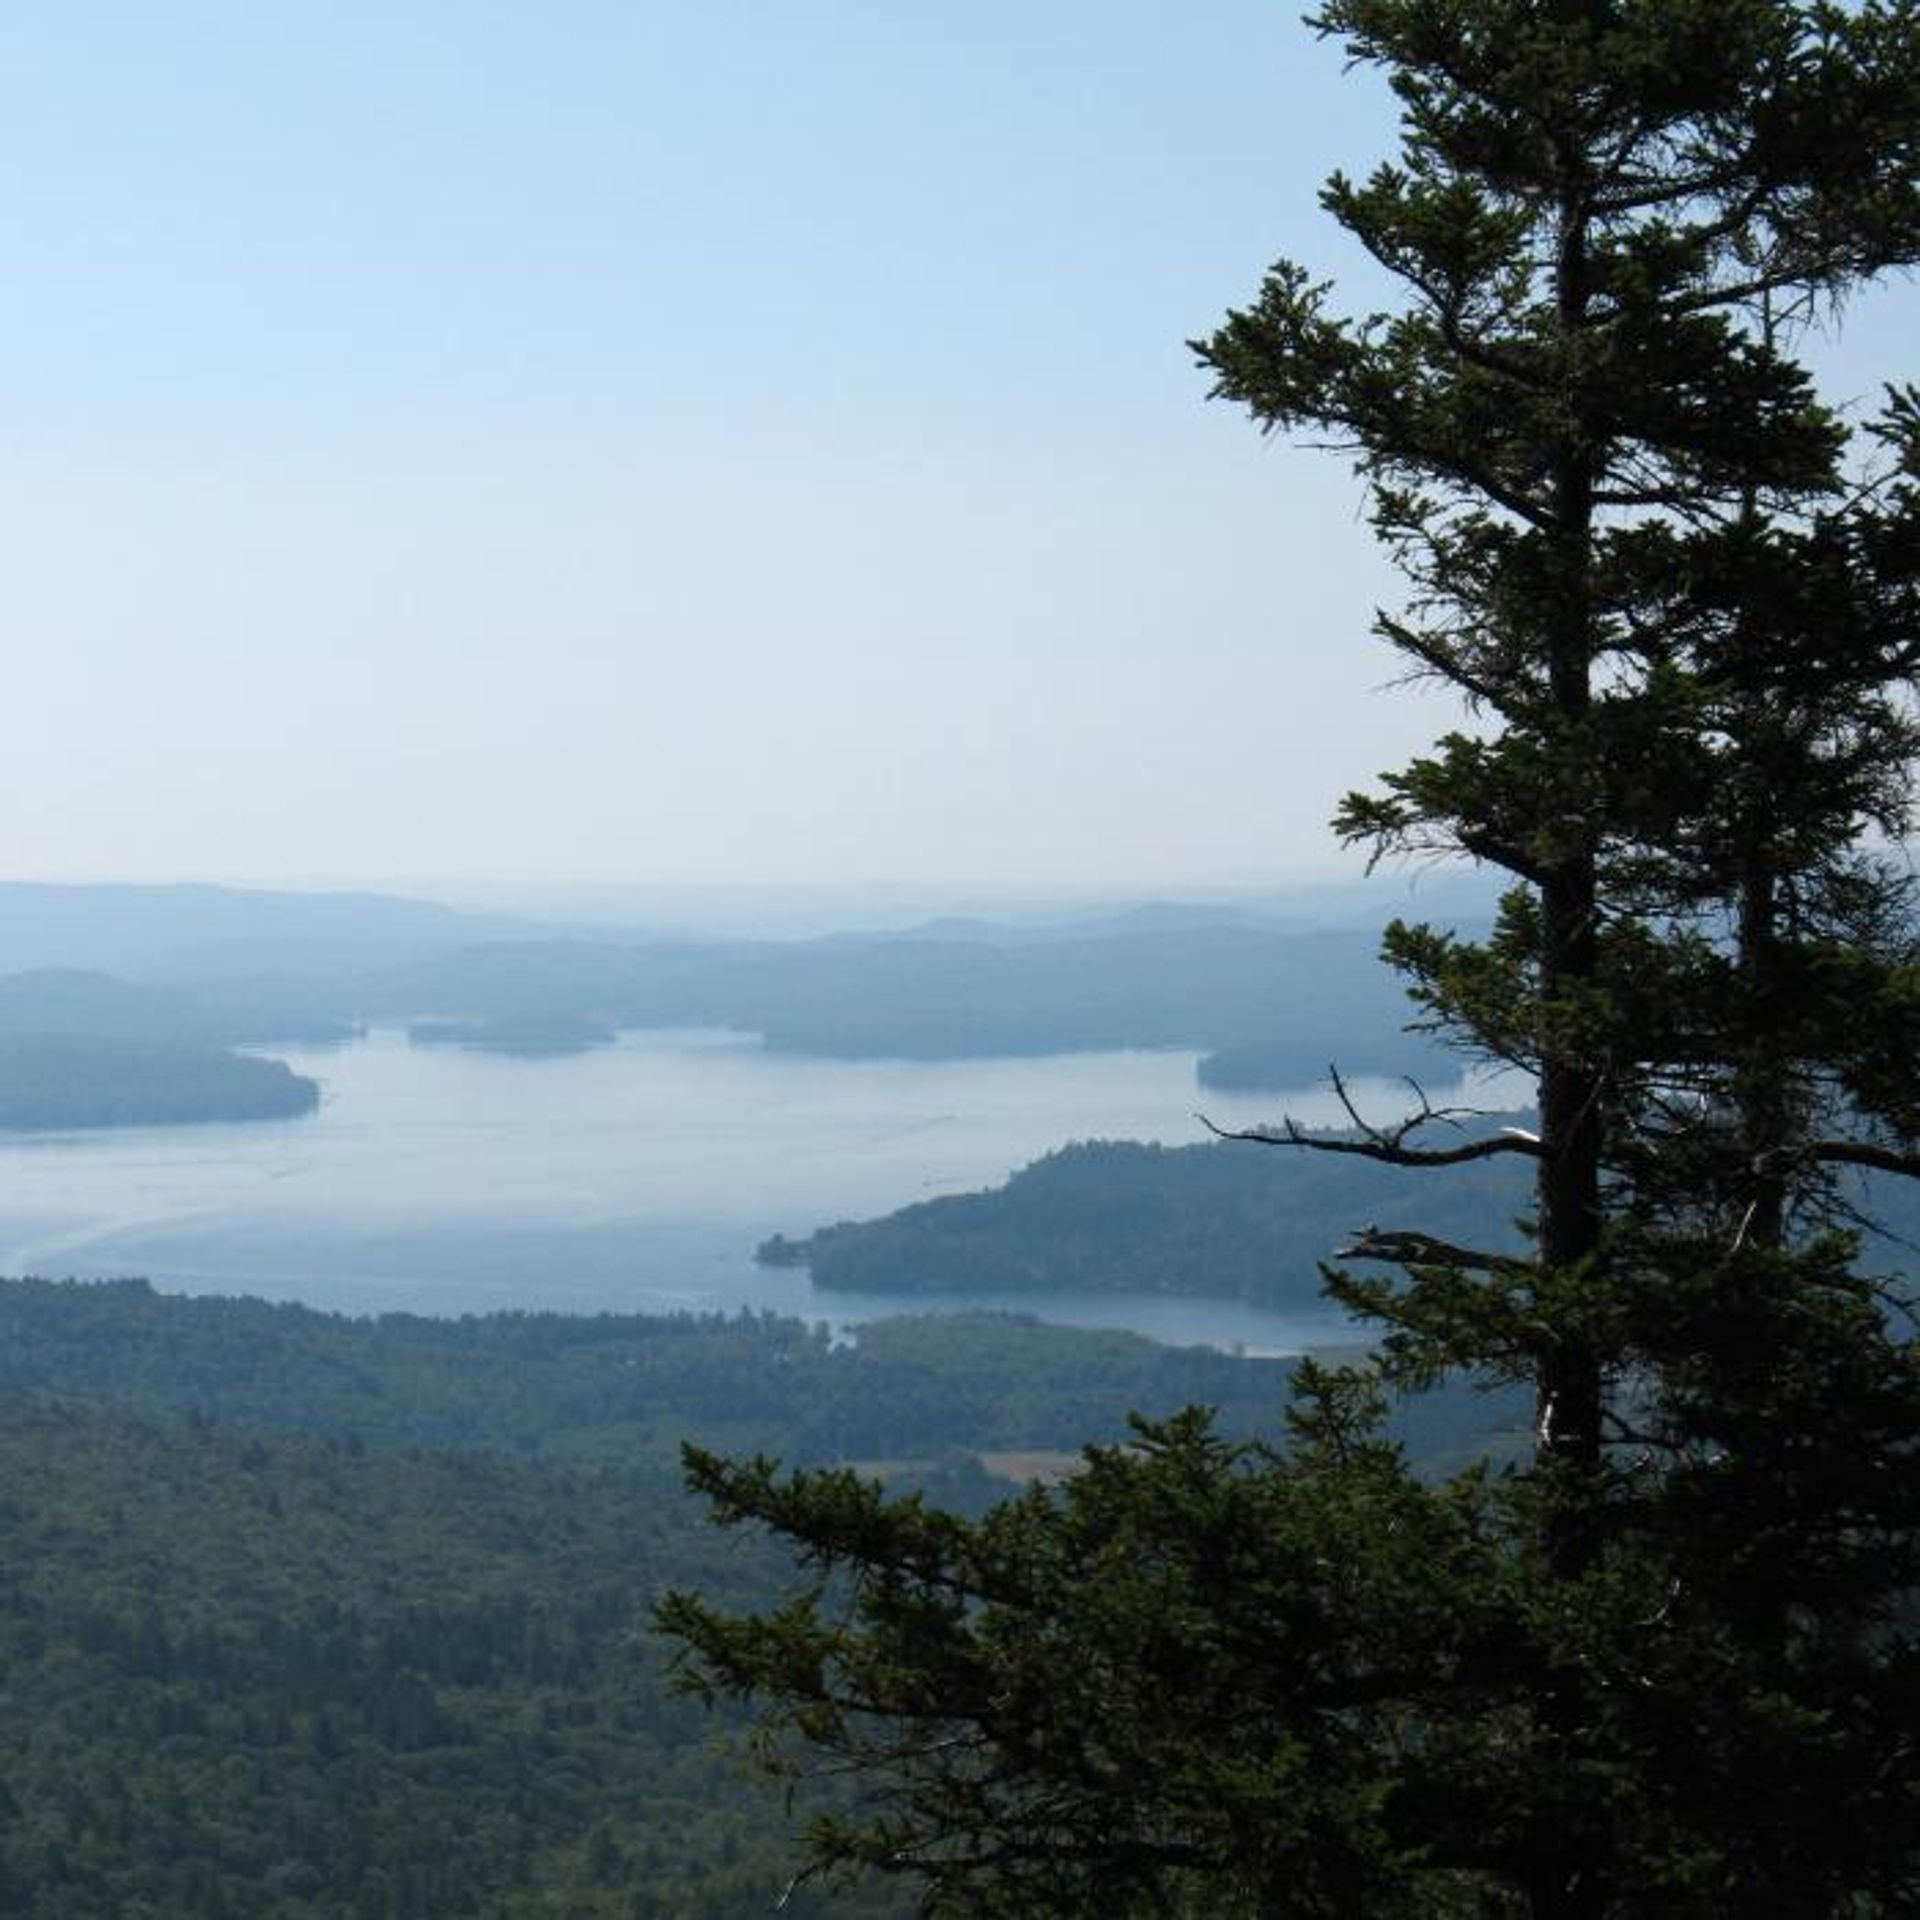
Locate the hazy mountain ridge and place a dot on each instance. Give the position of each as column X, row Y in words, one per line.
column 917, row 998
column 1175, row 976
column 201, row 931
column 70, row 1001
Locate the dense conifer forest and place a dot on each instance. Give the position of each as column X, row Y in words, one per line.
column 306, row 1616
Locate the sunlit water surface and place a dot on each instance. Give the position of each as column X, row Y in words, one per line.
column 634, row 1179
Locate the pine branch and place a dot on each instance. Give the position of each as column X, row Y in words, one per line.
column 1412, row 1249
column 1862, row 1153
column 1449, row 666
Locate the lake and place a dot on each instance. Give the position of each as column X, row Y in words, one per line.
column 637, row 1178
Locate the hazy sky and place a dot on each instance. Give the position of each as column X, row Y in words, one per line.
column 676, row 440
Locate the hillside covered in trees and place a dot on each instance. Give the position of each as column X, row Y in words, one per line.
column 304, row 1616
column 50, row 1082
column 1223, row 1221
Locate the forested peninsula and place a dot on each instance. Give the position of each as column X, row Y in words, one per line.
column 53, row 1082
column 1226, row 1220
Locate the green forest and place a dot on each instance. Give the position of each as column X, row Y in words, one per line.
column 1580, row 1582
column 307, row 1616
column 1223, row 1220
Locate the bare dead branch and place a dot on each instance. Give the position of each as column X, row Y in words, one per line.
column 1387, row 1145
column 1290, row 1134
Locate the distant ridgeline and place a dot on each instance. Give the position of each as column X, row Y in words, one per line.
column 1272, row 1004
column 1206, row 988
column 49, row 1082
column 1227, row 1220
column 219, row 1013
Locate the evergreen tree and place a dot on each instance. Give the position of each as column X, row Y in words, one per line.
column 1667, row 1664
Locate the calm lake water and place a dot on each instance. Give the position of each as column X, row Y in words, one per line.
column 634, row 1179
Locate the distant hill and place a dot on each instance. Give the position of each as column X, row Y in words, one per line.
column 208, row 932
column 1152, row 917
column 1275, row 1066
column 607, row 1390
column 1203, row 987
column 1309, row 998
column 52, row 1082
column 1229, row 1220
column 223, row 966
column 1224, row 1220
column 529, row 1035
column 75, row 1002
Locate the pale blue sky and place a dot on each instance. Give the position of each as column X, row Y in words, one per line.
column 733, row 441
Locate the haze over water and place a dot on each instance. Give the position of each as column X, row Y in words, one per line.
column 633, row 1179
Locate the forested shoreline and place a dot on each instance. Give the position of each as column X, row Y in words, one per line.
column 304, row 1615
column 57, row 1082
column 309, row 1616
column 1222, row 1220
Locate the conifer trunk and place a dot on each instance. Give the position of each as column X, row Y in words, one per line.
column 1571, row 1086
column 1760, row 1089
column 1559, row 1880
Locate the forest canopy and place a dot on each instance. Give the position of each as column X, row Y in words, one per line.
column 306, row 1616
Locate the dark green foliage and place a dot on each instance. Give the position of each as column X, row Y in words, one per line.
column 1115, row 1216
column 1136, row 1637
column 611, row 1390
column 303, row 1616
column 273, row 1676
column 50, row 1082
column 1667, row 1665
